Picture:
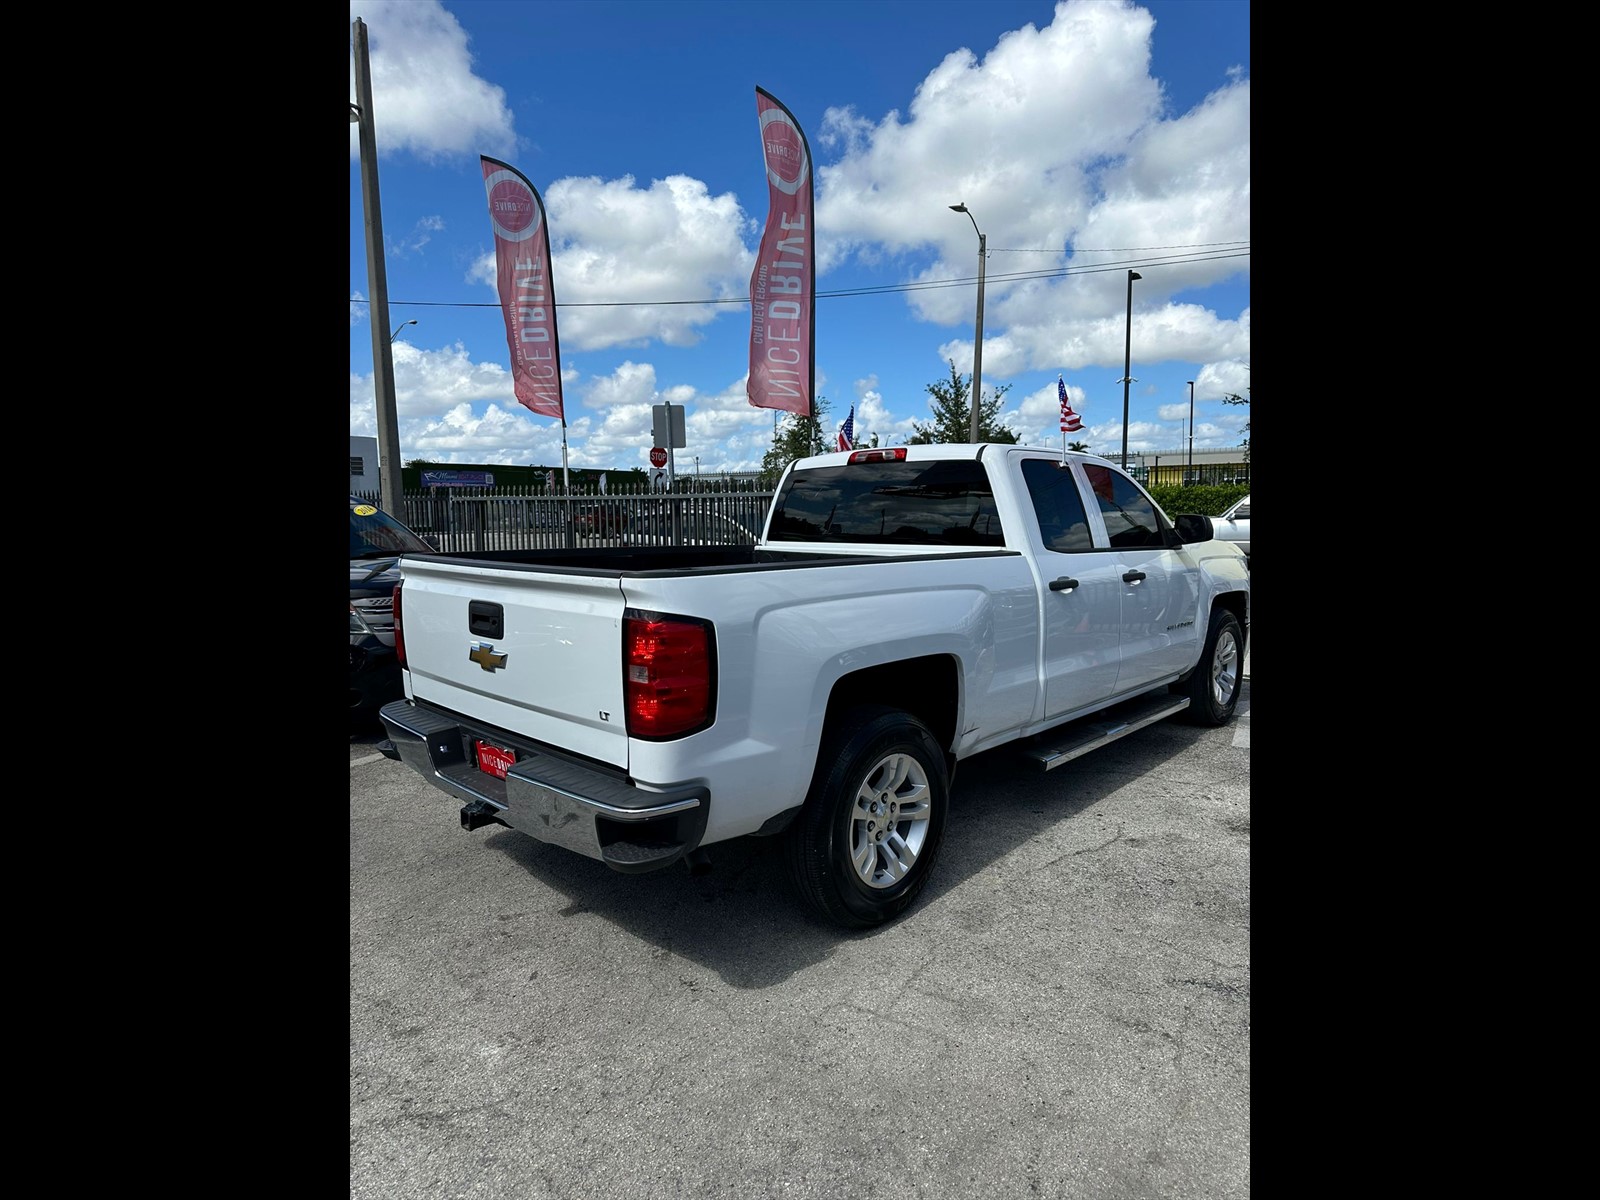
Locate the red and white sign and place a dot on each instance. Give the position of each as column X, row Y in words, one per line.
column 527, row 294
column 783, row 284
column 658, row 457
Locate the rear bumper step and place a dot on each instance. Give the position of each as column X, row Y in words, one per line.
column 568, row 804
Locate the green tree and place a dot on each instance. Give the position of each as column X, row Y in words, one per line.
column 952, row 413
column 797, row 437
column 1234, row 398
column 1077, row 445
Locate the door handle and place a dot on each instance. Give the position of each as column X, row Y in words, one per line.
column 1133, row 577
column 1063, row 584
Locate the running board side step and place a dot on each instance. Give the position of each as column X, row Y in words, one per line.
column 1090, row 733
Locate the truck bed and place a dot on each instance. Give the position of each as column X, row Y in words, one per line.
column 640, row 560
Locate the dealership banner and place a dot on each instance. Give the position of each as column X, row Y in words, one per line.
column 477, row 479
column 527, row 295
column 783, row 283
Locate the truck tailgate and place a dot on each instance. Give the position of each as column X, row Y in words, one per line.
column 519, row 648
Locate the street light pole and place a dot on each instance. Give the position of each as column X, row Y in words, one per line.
column 1127, row 367
column 1191, row 425
column 399, row 327
column 977, row 345
column 377, row 283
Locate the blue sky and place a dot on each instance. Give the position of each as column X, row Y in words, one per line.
column 1087, row 138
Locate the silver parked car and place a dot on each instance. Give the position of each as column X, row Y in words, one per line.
column 1234, row 525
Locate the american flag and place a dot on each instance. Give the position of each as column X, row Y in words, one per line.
column 1069, row 419
column 847, row 432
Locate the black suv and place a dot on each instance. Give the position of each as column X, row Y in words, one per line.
column 377, row 541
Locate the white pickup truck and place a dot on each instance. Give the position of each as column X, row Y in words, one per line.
column 904, row 609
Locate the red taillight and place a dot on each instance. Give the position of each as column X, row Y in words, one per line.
column 399, row 636
column 667, row 672
column 891, row 454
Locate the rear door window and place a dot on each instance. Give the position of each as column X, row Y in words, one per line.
column 1131, row 519
column 1058, row 505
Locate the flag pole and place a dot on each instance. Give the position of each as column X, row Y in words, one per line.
column 1061, row 393
column 566, row 479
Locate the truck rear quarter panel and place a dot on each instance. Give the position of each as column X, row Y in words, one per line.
column 786, row 639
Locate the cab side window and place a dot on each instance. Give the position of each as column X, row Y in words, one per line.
column 1131, row 520
column 1057, row 505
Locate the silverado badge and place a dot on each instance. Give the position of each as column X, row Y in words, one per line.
column 485, row 656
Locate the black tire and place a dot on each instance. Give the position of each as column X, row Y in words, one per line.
column 1213, row 688
column 862, row 847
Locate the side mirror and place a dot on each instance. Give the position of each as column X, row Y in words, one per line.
column 1193, row 527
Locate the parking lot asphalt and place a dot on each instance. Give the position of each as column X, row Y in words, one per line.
column 1065, row 1013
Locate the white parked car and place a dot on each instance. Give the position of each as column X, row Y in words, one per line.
column 1234, row 525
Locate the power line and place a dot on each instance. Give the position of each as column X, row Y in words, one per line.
column 1057, row 273
column 1114, row 249
column 889, row 288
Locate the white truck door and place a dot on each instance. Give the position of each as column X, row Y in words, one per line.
column 1081, row 592
column 1160, row 586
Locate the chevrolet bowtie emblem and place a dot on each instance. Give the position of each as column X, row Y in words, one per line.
column 485, row 656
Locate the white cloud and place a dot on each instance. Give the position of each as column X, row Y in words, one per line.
column 433, row 106
column 1056, row 137
column 626, row 246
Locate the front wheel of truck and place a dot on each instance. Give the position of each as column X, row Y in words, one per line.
column 1213, row 687
column 862, row 847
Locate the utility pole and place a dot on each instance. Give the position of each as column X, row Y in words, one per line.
column 1191, row 425
column 377, row 283
column 1127, row 366
column 977, row 341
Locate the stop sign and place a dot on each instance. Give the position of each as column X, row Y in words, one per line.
column 658, row 457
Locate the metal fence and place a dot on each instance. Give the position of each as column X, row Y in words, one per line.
column 469, row 521
column 1175, row 473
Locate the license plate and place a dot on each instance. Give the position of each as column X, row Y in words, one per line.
column 494, row 761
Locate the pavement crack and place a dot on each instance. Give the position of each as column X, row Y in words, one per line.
column 1111, row 841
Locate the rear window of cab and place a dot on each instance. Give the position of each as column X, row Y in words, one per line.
column 944, row 502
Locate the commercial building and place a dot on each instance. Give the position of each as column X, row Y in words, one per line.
column 364, row 465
